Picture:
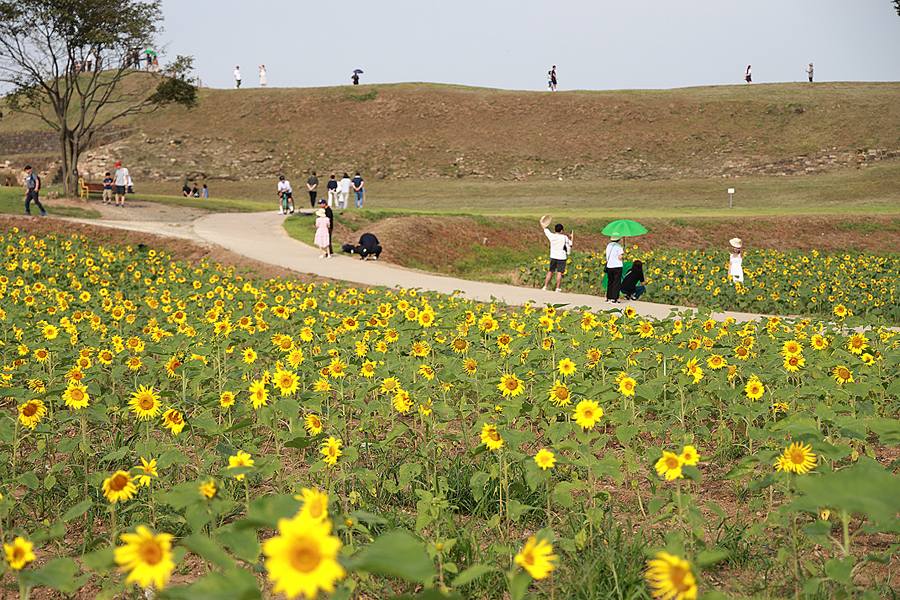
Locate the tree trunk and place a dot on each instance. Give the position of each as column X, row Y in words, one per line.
column 70, row 156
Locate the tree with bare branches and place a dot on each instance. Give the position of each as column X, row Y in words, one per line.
column 71, row 63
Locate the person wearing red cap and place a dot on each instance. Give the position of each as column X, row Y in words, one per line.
column 120, row 183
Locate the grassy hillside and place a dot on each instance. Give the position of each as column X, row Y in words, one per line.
column 421, row 130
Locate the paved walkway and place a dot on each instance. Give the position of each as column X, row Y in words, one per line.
column 262, row 237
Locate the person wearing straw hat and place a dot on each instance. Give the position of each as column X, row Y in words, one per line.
column 614, row 256
column 735, row 266
column 322, row 239
column 560, row 246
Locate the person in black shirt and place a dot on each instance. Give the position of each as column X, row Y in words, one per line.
column 368, row 246
column 186, row 190
column 631, row 281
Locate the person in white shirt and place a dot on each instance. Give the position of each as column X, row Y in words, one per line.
column 560, row 246
column 614, row 256
column 345, row 184
column 285, row 195
column 120, row 184
column 237, row 77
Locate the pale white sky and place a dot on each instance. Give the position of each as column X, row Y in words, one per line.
column 595, row 44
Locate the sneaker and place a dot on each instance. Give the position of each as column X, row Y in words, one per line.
column 544, row 288
column 557, row 290
column 280, row 211
column 614, row 302
column 374, row 258
column 362, row 258
column 607, row 301
column 43, row 213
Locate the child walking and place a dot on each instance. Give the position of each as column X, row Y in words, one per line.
column 322, row 238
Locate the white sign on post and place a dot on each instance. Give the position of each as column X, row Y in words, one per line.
column 730, row 197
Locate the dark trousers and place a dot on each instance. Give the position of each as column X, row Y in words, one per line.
column 613, row 283
column 312, row 198
column 32, row 195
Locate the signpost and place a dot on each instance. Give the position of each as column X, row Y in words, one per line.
column 730, row 197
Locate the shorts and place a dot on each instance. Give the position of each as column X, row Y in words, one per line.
column 558, row 265
column 120, row 190
column 107, row 193
column 290, row 195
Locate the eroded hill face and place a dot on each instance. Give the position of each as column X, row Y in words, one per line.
column 427, row 130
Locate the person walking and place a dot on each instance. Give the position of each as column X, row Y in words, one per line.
column 809, row 72
column 323, row 235
column 33, row 187
column 358, row 189
column 285, row 195
column 614, row 256
column 107, row 188
column 120, row 184
column 262, row 75
column 632, row 280
column 237, row 77
column 747, row 77
column 330, row 214
column 736, row 260
column 560, row 246
column 345, row 192
column 312, row 184
column 553, row 78
column 332, row 191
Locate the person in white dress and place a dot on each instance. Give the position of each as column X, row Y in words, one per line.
column 262, row 75
column 735, row 266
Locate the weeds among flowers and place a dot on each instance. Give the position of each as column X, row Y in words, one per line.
column 433, row 429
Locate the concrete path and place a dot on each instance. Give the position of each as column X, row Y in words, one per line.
column 260, row 236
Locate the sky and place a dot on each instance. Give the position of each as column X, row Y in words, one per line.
column 595, row 44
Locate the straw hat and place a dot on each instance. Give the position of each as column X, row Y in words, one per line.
column 545, row 221
column 615, row 237
column 320, row 212
column 736, row 243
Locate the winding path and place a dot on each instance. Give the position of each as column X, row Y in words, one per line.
column 262, row 237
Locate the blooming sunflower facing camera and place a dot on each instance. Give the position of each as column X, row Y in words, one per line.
column 537, row 558
column 588, row 413
column 119, row 486
column 510, row 385
column 146, row 557
column 797, row 458
column 670, row 578
column 302, row 558
column 490, row 437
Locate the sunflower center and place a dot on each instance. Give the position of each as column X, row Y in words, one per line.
column 77, row 395
column 146, row 403
column 798, row 457
column 316, row 509
column 678, row 579
column 512, row 384
column 562, row 393
column 494, row 436
column 672, row 463
column 151, row 553
column 29, row 410
column 118, row 483
column 305, row 555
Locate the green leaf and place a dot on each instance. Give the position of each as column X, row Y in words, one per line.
column 99, row 560
column 207, row 548
column 863, row 489
column 58, row 574
column 840, row 570
column 266, row 511
column 243, row 543
column 234, row 584
column 707, row 558
column 29, row 479
column 471, row 574
column 519, row 585
column 78, row 510
column 396, row 554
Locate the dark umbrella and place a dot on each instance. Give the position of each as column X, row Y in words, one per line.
column 358, row 71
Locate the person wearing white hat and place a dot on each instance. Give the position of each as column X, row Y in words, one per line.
column 322, row 239
column 614, row 256
column 560, row 246
column 735, row 266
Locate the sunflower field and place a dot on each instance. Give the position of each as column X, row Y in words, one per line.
column 792, row 283
column 184, row 431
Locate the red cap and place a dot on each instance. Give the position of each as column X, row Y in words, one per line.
column 118, row 164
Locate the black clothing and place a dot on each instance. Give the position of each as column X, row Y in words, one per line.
column 631, row 279
column 330, row 214
column 368, row 245
column 613, row 283
column 355, row 79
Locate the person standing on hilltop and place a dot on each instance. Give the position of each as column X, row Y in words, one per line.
column 332, row 192
column 358, row 189
column 237, row 77
column 345, row 192
column 809, row 72
column 747, row 77
column 355, row 78
column 262, row 75
column 312, row 184
column 553, row 78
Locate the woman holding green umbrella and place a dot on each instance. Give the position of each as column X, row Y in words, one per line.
column 614, row 256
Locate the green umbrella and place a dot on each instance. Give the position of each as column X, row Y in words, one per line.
column 624, row 228
column 150, row 52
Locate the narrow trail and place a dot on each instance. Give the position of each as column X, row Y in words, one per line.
column 261, row 236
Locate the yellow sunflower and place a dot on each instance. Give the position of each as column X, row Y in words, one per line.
column 560, row 395
column 226, row 399
column 119, row 486
column 857, row 343
column 76, row 395
column 669, row 466
column 716, row 362
column 208, row 490
column 173, row 421
column 19, row 553
column 588, row 413
column 627, row 386
column 145, row 403
column 537, row 558
column 31, row 413
column 331, row 450
column 798, row 458
column 754, row 389
column 670, row 578
column 794, row 363
column 470, row 366
column 314, row 424
column 146, row 557
column 259, row 394
column 315, row 504
column 510, row 385
column 287, row 382
column 302, row 558
column 544, row 459
column 842, row 374
column 490, row 437
column 566, row 367
column 241, row 459
column 146, row 471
